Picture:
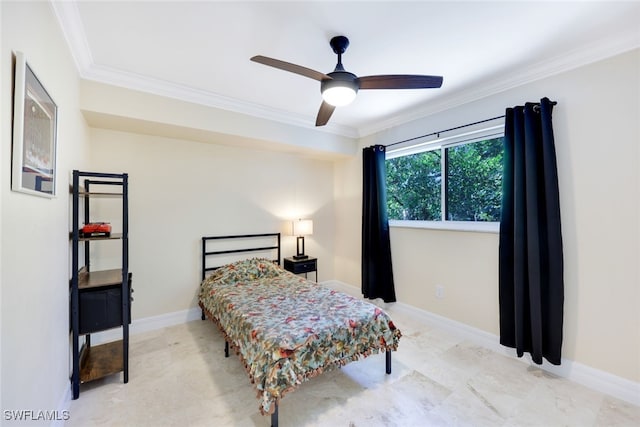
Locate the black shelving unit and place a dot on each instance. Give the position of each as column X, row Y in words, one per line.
column 100, row 299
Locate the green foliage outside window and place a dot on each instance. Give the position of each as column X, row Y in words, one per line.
column 473, row 183
column 413, row 187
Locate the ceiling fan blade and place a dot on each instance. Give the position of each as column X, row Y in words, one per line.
column 293, row 68
column 400, row 81
column 326, row 110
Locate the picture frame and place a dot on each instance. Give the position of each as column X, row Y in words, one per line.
column 35, row 126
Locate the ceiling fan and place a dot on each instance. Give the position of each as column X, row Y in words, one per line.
column 339, row 87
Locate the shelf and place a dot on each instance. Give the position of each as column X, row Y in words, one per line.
column 98, row 194
column 96, row 279
column 113, row 236
column 84, row 193
column 100, row 361
column 99, row 299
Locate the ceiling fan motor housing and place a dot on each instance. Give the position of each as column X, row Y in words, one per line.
column 342, row 79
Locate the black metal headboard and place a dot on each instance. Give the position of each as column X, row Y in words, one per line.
column 252, row 239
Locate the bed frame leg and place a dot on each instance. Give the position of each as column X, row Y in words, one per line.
column 226, row 349
column 274, row 417
column 388, row 361
column 202, row 316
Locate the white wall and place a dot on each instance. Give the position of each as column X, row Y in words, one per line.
column 181, row 190
column 35, row 231
column 596, row 125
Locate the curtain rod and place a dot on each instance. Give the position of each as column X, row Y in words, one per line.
column 446, row 130
column 437, row 134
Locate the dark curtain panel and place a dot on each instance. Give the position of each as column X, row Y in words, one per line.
column 377, row 272
column 531, row 288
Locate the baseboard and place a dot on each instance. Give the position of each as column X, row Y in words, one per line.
column 587, row 376
column 147, row 324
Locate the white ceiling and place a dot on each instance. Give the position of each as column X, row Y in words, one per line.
column 199, row 51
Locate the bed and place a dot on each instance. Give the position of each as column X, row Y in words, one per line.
column 285, row 329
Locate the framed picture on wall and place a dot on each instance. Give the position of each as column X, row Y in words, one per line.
column 34, row 133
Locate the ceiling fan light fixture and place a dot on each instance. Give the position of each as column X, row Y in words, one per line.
column 340, row 90
column 339, row 96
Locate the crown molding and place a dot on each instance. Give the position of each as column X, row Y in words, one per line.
column 128, row 80
column 585, row 55
column 69, row 19
column 71, row 24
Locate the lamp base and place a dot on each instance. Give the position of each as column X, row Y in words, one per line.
column 300, row 248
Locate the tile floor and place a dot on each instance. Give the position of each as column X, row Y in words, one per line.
column 180, row 377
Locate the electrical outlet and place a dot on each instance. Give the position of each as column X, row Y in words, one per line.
column 439, row 291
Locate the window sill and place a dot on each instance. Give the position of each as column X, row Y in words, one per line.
column 473, row 226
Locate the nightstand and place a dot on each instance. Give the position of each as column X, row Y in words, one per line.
column 305, row 265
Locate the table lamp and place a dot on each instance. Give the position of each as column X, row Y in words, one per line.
column 301, row 228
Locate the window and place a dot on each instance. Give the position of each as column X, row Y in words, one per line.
column 453, row 179
column 413, row 187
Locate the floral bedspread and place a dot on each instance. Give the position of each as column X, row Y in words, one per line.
column 287, row 329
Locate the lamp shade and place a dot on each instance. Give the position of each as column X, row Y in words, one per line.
column 303, row 227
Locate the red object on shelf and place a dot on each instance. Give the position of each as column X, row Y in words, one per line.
column 96, row 229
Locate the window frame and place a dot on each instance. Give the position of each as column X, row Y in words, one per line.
column 443, row 143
